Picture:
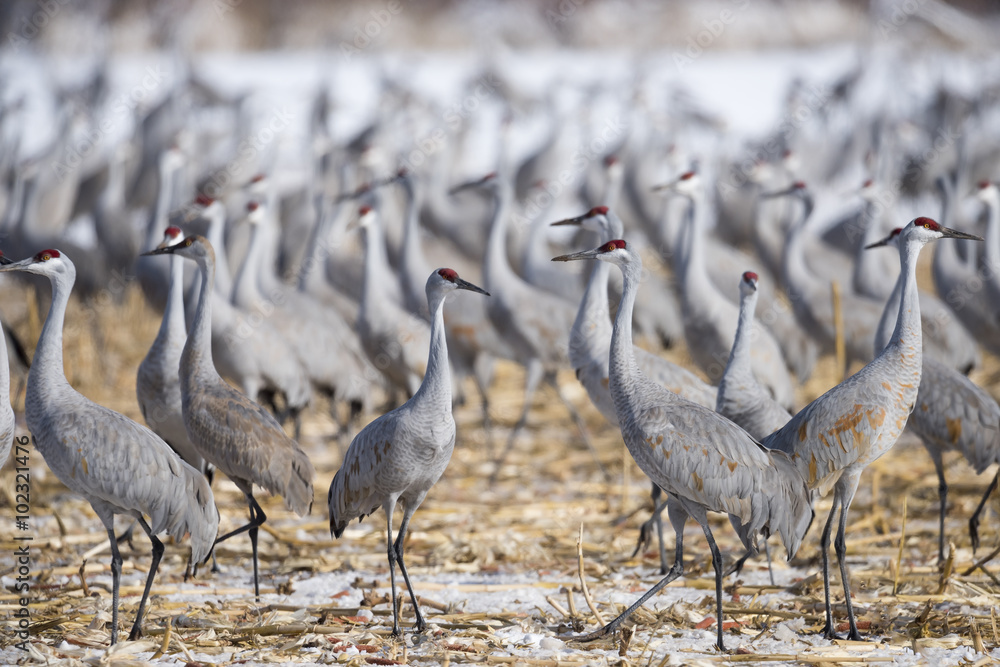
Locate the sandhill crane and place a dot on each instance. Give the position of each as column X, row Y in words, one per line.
column 694, row 454
column 153, row 277
column 741, row 398
column 710, row 319
column 589, row 351
column 158, row 382
column 834, row 438
column 402, row 454
column 231, row 431
column 117, row 465
column 536, row 324
column 951, row 413
column 392, row 338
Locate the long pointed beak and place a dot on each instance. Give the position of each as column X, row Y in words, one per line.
column 465, row 284
column 160, row 250
column 4, row 260
column 879, row 243
column 578, row 220
column 950, row 233
column 11, row 265
column 586, row 254
column 670, row 186
column 461, row 187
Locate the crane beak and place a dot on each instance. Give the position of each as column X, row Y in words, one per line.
column 879, row 243
column 160, row 250
column 462, row 187
column 586, row 254
column 578, row 220
column 465, row 284
column 10, row 265
column 4, row 260
column 671, row 187
column 950, row 233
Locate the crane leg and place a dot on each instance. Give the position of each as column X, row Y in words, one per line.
column 482, row 372
column 580, row 425
column 257, row 517
column 678, row 516
column 974, row 519
column 829, row 630
column 717, row 564
column 655, row 519
column 127, row 536
column 420, row 625
column 532, row 376
column 116, row 579
column 840, row 545
column 943, row 499
column 737, row 567
column 153, row 565
column 389, row 506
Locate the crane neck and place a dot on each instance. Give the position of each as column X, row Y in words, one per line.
column 158, row 222
column 866, row 266
column 246, row 288
column 223, row 280
column 414, row 266
column 172, row 326
column 991, row 252
column 798, row 277
column 436, row 384
column 316, row 245
column 907, row 333
column 622, row 367
column 739, row 365
column 196, row 359
column 47, row 376
column 497, row 269
column 376, row 264
column 590, row 337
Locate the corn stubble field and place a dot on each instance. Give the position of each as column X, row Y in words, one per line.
column 499, row 568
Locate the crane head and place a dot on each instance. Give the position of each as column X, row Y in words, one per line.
column 46, row 263
column 448, row 279
column 489, row 180
column 255, row 212
column 595, row 220
column 986, row 190
column 891, row 240
column 926, row 229
column 687, row 184
column 4, row 259
column 194, row 247
column 613, row 251
column 171, row 236
column 366, row 216
column 749, row 281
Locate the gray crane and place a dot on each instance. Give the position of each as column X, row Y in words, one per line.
column 834, row 438
column 534, row 323
column 696, row 455
column 233, row 433
column 589, row 350
column 740, row 397
column 158, row 382
column 403, row 453
column 951, row 414
column 117, row 465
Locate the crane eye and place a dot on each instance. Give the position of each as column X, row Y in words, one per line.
column 188, row 241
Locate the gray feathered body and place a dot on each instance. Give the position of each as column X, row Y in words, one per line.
column 699, row 456
column 954, row 414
